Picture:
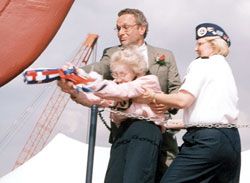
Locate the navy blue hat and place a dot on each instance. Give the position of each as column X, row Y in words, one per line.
column 209, row 29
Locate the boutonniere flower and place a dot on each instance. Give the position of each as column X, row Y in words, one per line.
column 160, row 60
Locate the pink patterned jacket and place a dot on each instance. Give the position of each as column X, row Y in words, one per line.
column 107, row 89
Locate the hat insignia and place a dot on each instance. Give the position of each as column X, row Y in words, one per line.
column 202, row 31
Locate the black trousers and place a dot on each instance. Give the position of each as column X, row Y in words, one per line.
column 169, row 148
column 134, row 154
column 208, row 155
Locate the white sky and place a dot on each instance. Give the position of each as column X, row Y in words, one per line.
column 171, row 26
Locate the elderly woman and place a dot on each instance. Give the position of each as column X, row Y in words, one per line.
column 136, row 148
column 128, row 69
column 211, row 151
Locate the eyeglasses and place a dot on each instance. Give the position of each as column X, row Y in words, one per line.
column 126, row 28
column 119, row 75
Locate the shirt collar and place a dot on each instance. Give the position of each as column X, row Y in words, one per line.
column 142, row 48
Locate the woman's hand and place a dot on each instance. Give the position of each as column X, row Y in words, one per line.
column 147, row 97
column 78, row 97
column 66, row 86
column 158, row 108
column 82, row 98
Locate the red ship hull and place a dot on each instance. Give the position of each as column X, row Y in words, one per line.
column 26, row 28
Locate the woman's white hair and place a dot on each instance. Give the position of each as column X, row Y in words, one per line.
column 219, row 45
column 132, row 57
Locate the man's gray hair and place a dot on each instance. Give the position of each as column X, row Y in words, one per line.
column 139, row 17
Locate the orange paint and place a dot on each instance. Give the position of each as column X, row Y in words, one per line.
column 26, row 29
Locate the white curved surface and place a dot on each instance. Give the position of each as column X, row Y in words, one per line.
column 63, row 160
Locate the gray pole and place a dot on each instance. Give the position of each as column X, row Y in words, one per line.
column 91, row 148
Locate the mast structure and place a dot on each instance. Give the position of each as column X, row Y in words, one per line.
column 49, row 117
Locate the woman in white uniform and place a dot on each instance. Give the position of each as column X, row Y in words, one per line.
column 211, row 151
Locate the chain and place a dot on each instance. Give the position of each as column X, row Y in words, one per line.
column 103, row 120
column 172, row 122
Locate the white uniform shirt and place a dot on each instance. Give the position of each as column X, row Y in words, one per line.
column 212, row 83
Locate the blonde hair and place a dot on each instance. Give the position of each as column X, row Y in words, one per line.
column 220, row 46
column 132, row 58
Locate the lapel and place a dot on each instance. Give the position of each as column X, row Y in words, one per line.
column 153, row 68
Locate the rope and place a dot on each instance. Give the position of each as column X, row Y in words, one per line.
column 20, row 122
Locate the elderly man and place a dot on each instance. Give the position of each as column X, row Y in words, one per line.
column 132, row 29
